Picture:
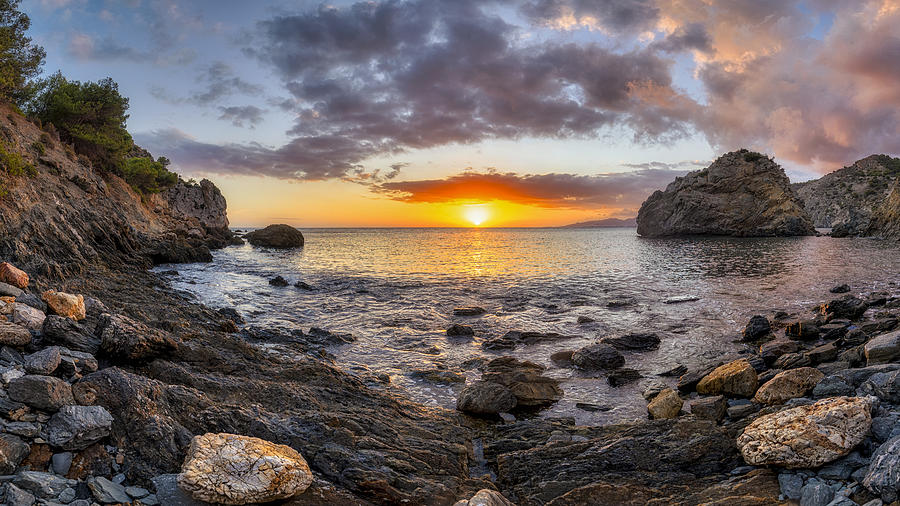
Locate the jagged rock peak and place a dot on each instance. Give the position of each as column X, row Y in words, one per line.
column 743, row 193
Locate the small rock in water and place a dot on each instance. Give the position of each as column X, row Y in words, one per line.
column 840, row 289
column 303, row 286
column 587, row 406
column 598, row 356
column 469, row 311
column 757, row 328
column 678, row 299
column 278, row 281
column 678, row 370
column 665, row 405
column 621, row 377
column 562, row 358
column 585, row 319
column 486, row 398
column 457, row 330
column 637, row 341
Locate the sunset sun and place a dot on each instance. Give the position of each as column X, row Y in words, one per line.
column 476, row 214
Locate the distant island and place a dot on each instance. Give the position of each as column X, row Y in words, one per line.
column 604, row 223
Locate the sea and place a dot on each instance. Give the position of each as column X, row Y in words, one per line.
column 394, row 291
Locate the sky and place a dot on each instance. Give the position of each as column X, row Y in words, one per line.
column 504, row 112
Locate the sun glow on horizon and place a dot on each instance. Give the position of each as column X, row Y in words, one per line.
column 476, row 214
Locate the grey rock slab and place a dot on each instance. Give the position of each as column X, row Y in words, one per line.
column 43, row 362
column 77, row 427
column 42, row 392
column 883, row 476
column 43, row 485
column 61, row 462
column 168, row 493
column 816, row 493
column 15, row 496
column 106, row 491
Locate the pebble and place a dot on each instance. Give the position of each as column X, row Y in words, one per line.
column 61, row 462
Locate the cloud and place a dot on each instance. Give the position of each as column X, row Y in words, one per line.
column 614, row 190
column 241, row 115
column 86, row 48
column 218, row 81
column 615, row 16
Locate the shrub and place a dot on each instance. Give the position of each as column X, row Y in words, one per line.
column 40, row 148
column 14, row 164
column 46, row 140
column 752, row 156
column 148, row 176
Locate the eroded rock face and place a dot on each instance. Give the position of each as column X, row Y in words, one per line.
column 734, row 378
column 65, row 304
column 201, row 201
column 885, row 220
column 232, row 469
column 741, row 194
column 788, row 385
column 276, row 236
column 807, row 436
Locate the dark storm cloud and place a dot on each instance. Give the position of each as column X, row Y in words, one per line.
column 623, row 189
column 689, row 37
column 244, row 115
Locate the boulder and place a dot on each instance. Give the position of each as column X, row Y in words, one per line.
column 741, row 194
column 27, row 316
column 802, row 330
column 43, row 485
column 771, row 350
column 77, row 427
column 807, row 436
column 638, row 341
column 12, row 334
column 757, row 328
column 524, row 380
column 485, row 398
column 883, row 349
column 734, row 378
column 883, row 476
column 65, row 304
column 107, row 492
column 666, row 404
column 127, row 339
column 7, row 290
column 598, row 356
column 787, row 385
column 11, row 275
column 276, row 236
column 709, row 408
column 485, row 497
column 457, row 330
column 43, row 362
column 42, row 392
column 15, row 496
column 848, row 307
column 12, row 451
column 232, row 469
column 884, row 385
column 71, row 334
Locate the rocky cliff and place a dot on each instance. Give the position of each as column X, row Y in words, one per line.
column 885, row 219
column 58, row 215
column 844, row 199
column 741, row 194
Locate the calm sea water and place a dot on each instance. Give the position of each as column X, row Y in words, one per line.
column 395, row 290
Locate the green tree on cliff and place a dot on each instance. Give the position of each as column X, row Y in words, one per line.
column 20, row 59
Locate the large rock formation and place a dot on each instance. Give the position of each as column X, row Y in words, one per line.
column 885, row 221
column 741, row 194
column 276, row 236
column 846, row 198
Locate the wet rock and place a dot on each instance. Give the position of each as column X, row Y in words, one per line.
column 840, row 289
column 709, row 408
column 12, row 451
column 485, row 398
column 276, row 236
column 457, row 330
column 688, row 381
column 848, row 307
column 7, row 290
column 883, row 476
column 66, row 332
column 806, row 436
column 77, row 427
column 43, row 392
column 43, row 362
column 12, row 275
column 584, row 320
column 834, row 331
column 515, row 338
column 803, row 330
column 598, row 356
column 232, row 469
column 323, row 336
column 678, row 299
column 278, row 281
column 469, row 311
column 107, row 492
column 620, row 377
column 883, row 349
column 440, row 376
column 638, row 341
column 27, row 316
column 735, row 378
column 667, row 404
column 562, row 358
column 14, row 335
column 302, row 285
column 524, row 380
column 816, row 493
column 678, row 370
column 771, row 350
column 788, row 385
column 43, row 485
column 652, row 388
column 232, row 314
column 65, row 304
column 127, row 339
column 757, row 328
column 485, row 497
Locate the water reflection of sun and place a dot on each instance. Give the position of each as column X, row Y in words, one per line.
column 476, row 214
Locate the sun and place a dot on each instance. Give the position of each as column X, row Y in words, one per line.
column 476, row 214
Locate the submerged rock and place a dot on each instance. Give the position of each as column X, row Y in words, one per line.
column 807, row 436
column 469, row 311
column 232, row 469
column 457, row 330
column 524, row 380
column 637, row 341
column 276, row 236
column 278, row 281
column 741, row 194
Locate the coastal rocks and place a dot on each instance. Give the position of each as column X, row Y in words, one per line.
column 43, row 392
column 735, row 378
column 69, row 333
column 107, row 492
column 12, row 451
column 741, row 194
column 667, row 404
column 885, row 221
column 802, row 330
column 485, row 497
column 598, row 356
column 515, row 338
column 43, row 362
column 27, row 316
column 484, row 398
column 7, row 290
column 840, row 288
column 787, row 385
column 709, row 408
column 278, row 281
column 232, row 469
column 883, row 475
column 14, row 335
column 806, row 436
column 11, row 275
column 883, row 349
column 65, row 304
column 127, row 339
column 638, row 341
column 203, row 202
column 276, row 236
column 757, row 328
column 77, row 427
column 848, row 307
column 468, row 311
column 457, row 330
column 524, row 380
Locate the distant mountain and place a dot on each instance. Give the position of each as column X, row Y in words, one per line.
column 604, row 223
column 844, row 199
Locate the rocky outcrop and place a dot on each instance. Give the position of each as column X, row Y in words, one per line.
column 741, row 194
column 276, row 236
column 232, row 469
column 885, row 220
column 845, row 199
column 807, row 436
